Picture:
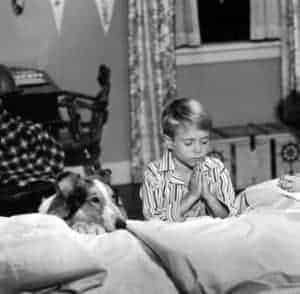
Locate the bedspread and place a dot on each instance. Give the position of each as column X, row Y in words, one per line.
column 260, row 249
column 255, row 252
column 265, row 195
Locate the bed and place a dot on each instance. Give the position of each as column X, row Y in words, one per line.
column 254, row 252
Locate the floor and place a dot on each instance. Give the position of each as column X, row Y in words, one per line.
column 129, row 194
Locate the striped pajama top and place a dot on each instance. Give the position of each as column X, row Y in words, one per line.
column 161, row 191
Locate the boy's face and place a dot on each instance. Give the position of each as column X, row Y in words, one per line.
column 189, row 145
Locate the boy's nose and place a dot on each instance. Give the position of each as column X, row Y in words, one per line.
column 198, row 149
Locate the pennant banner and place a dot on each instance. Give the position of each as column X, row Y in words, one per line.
column 105, row 10
column 58, row 11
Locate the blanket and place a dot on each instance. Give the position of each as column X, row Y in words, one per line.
column 254, row 252
column 258, row 249
column 265, row 195
column 27, row 152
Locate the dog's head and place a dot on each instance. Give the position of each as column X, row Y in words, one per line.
column 85, row 200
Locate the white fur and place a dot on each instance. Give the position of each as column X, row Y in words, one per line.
column 104, row 189
column 46, row 204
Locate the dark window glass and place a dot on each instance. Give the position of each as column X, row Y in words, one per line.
column 224, row 20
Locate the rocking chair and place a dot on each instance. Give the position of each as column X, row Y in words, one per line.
column 80, row 124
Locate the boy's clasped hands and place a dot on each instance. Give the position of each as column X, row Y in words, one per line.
column 201, row 197
column 199, row 193
column 198, row 186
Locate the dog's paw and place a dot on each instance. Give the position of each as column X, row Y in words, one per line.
column 88, row 228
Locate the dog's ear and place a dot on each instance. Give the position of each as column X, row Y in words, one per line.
column 104, row 175
column 73, row 189
column 66, row 183
column 63, row 174
column 60, row 208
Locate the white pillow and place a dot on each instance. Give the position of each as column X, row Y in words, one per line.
column 39, row 251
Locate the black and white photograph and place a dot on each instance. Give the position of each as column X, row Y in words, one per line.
column 150, row 146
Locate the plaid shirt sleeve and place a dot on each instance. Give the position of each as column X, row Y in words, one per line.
column 27, row 152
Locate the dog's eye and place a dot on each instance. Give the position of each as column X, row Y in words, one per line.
column 95, row 200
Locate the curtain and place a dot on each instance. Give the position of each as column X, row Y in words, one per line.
column 187, row 23
column 152, row 75
column 265, row 19
column 290, row 56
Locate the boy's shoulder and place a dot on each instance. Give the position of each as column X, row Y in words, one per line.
column 155, row 163
column 153, row 168
column 162, row 164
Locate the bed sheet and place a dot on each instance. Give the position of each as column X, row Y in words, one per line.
column 259, row 249
column 265, row 195
column 256, row 251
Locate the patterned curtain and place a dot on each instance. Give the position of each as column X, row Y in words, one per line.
column 290, row 59
column 265, row 19
column 152, row 76
column 187, row 23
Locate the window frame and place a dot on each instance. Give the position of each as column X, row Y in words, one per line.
column 228, row 52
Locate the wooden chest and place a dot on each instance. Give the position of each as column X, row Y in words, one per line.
column 284, row 149
column 255, row 153
column 249, row 154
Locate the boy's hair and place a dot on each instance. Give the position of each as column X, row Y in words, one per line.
column 184, row 111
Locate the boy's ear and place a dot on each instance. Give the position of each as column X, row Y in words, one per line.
column 168, row 142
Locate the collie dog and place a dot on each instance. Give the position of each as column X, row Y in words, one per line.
column 85, row 203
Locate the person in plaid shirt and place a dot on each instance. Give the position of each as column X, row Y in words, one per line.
column 27, row 152
column 185, row 182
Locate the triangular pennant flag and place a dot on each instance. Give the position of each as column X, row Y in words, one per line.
column 105, row 10
column 58, row 12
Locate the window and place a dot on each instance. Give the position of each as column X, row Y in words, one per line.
column 224, row 20
column 234, row 30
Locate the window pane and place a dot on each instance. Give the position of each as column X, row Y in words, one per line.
column 224, row 20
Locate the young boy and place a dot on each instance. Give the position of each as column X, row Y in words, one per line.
column 185, row 182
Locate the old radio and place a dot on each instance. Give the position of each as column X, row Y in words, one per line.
column 34, row 96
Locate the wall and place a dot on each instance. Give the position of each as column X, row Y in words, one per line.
column 72, row 58
column 236, row 92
